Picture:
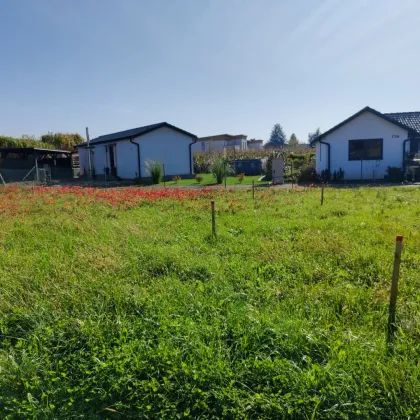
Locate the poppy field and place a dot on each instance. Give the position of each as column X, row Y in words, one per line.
column 120, row 304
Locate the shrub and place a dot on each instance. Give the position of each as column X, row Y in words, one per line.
column 203, row 162
column 338, row 175
column 240, row 177
column 154, row 169
column 220, row 169
column 325, row 175
column 176, row 178
column 300, row 156
column 307, row 174
column 394, row 174
column 198, row 178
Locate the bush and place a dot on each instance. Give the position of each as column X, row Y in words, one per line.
column 203, row 162
column 176, row 178
column 220, row 169
column 240, row 177
column 338, row 175
column 307, row 174
column 198, row 178
column 325, row 175
column 394, row 174
column 300, row 156
column 154, row 169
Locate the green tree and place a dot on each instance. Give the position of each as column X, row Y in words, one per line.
column 63, row 141
column 293, row 141
column 277, row 137
column 314, row 135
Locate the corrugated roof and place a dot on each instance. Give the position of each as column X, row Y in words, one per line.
column 135, row 132
column 409, row 119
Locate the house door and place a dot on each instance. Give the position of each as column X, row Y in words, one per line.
column 112, row 161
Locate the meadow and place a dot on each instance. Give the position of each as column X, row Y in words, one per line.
column 119, row 304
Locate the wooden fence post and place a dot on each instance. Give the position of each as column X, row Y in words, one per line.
column 213, row 219
column 394, row 288
column 253, row 189
column 322, row 195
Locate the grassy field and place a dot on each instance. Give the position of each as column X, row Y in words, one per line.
column 120, row 304
column 208, row 179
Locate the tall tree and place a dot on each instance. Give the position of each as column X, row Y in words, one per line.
column 277, row 137
column 293, row 141
column 314, row 135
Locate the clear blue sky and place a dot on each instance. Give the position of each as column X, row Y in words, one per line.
column 207, row 66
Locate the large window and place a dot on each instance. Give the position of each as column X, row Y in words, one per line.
column 370, row 149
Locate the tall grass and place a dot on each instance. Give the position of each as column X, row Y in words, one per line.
column 155, row 170
column 220, row 169
column 113, row 311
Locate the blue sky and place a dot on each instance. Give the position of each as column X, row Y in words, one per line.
column 207, row 66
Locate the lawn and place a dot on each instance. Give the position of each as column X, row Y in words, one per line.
column 120, row 304
column 208, row 179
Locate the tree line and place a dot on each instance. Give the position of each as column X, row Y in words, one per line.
column 59, row 141
column 278, row 138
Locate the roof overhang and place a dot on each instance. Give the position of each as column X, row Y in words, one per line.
column 134, row 135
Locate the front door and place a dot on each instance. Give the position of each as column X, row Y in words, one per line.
column 112, row 161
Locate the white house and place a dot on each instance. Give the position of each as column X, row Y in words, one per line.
column 220, row 143
column 124, row 154
column 367, row 143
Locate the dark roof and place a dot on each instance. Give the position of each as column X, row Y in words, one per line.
column 409, row 119
column 31, row 150
column 373, row 111
column 134, row 132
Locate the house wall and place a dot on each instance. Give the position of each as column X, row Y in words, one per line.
column 255, row 146
column 165, row 145
column 218, row 145
column 365, row 126
column 83, row 160
column 209, row 146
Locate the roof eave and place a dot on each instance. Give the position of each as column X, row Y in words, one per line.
column 165, row 124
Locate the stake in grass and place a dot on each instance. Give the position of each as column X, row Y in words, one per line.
column 213, row 219
column 394, row 288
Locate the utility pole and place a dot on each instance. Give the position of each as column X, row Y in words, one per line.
column 89, row 157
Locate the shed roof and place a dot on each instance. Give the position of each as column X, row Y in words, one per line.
column 31, row 150
column 134, row 132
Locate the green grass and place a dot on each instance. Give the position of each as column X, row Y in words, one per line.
column 134, row 311
column 208, row 180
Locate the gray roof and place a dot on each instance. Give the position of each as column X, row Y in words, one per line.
column 134, row 132
column 409, row 119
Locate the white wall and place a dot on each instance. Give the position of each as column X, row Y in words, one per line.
column 365, row 126
column 255, row 146
column 209, row 146
column 219, row 145
column 99, row 159
column 166, row 146
column 83, row 160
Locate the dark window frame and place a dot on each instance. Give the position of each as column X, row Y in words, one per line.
column 364, row 150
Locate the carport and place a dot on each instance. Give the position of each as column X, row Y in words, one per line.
column 32, row 164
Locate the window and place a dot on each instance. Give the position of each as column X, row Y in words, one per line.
column 370, row 149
